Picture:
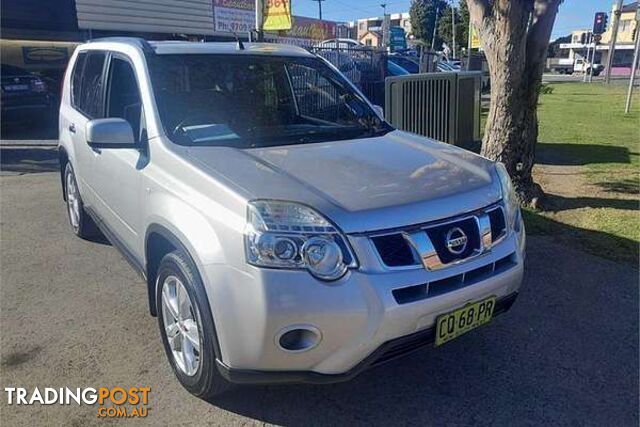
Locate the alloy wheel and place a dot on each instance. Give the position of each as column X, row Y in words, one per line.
column 181, row 326
column 73, row 201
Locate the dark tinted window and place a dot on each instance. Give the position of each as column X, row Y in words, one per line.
column 256, row 101
column 90, row 97
column 123, row 98
column 316, row 96
column 76, row 78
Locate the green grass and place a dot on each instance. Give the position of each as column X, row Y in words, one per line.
column 584, row 124
column 587, row 123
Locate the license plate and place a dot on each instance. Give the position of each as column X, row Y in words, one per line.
column 13, row 88
column 464, row 319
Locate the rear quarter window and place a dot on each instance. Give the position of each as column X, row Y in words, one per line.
column 76, row 78
column 89, row 84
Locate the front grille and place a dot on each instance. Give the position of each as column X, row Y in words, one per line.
column 498, row 225
column 438, row 287
column 396, row 250
column 438, row 236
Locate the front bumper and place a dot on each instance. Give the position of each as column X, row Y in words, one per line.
column 387, row 352
column 363, row 319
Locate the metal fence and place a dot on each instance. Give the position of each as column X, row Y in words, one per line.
column 427, row 61
column 365, row 67
column 442, row 106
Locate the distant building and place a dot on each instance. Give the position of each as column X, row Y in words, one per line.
column 372, row 38
column 627, row 33
column 628, row 27
column 361, row 27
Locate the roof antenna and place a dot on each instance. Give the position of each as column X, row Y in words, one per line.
column 240, row 44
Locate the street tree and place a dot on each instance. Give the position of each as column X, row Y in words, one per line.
column 554, row 50
column 423, row 19
column 462, row 25
column 515, row 36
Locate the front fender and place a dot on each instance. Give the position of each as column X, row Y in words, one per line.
column 186, row 229
column 188, row 226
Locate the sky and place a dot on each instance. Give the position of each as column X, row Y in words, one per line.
column 573, row 15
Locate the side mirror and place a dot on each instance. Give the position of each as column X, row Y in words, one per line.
column 379, row 111
column 110, row 133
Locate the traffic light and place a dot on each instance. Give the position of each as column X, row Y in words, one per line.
column 599, row 23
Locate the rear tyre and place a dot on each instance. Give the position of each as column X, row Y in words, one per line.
column 186, row 326
column 81, row 223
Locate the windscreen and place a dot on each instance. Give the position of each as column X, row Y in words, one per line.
column 248, row 101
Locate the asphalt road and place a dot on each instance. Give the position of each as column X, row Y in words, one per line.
column 73, row 313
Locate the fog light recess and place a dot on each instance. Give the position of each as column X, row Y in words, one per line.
column 297, row 339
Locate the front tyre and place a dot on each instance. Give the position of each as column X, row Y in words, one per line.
column 81, row 223
column 186, row 326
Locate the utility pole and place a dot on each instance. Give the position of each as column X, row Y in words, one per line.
column 469, row 47
column 453, row 29
column 595, row 39
column 319, row 8
column 614, row 37
column 435, row 28
column 385, row 27
column 589, row 61
column 259, row 20
column 634, row 66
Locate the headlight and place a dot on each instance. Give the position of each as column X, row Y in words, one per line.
column 289, row 235
column 512, row 208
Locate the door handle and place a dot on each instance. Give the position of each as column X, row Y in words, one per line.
column 72, row 128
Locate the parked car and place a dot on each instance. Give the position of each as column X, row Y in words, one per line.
column 341, row 43
column 445, row 66
column 410, row 64
column 25, row 96
column 393, row 69
column 285, row 231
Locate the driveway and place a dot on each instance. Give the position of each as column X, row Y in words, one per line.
column 73, row 313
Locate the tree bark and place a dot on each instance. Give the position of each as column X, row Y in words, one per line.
column 515, row 35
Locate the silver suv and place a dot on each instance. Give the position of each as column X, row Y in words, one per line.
column 285, row 231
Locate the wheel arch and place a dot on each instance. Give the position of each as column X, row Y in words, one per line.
column 176, row 224
column 161, row 238
column 63, row 159
column 159, row 241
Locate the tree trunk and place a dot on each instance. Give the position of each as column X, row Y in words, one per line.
column 515, row 35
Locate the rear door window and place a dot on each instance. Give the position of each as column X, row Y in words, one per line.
column 123, row 96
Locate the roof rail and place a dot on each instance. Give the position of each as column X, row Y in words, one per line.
column 138, row 41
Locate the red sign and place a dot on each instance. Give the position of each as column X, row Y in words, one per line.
column 310, row 29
